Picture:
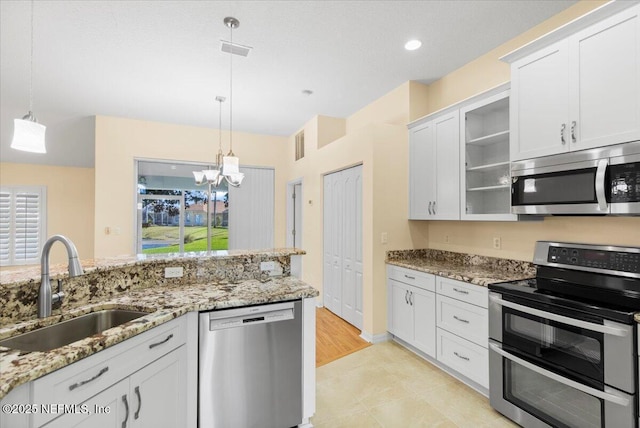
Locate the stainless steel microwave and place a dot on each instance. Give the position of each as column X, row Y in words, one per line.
column 598, row 181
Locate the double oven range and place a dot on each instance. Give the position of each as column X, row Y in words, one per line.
column 563, row 346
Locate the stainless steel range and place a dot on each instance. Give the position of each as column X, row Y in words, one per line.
column 563, row 345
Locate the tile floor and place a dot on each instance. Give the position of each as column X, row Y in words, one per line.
column 387, row 386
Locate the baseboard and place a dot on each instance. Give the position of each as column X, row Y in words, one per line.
column 378, row 338
column 319, row 303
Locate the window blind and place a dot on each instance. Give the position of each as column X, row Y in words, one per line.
column 22, row 224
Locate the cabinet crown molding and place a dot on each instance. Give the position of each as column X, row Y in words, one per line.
column 570, row 28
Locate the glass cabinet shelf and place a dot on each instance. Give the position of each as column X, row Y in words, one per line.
column 496, row 165
column 485, row 188
column 490, row 139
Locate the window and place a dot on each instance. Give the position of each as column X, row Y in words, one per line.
column 22, row 224
column 300, row 145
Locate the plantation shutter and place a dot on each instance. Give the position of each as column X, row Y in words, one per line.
column 22, row 224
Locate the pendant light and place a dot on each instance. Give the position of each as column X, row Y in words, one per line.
column 28, row 134
column 230, row 162
column 213, row 176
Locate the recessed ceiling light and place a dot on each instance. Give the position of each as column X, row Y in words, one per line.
column 307, row 92
column 412, row 45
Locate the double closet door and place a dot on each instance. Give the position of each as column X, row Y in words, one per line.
column 342, row 266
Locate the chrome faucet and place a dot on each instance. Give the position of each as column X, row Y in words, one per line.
column 45, row 298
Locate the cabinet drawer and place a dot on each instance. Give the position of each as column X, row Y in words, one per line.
column 423, row 280
column 467, row 321
column 85, row 378
column 463, row 356
column 470, row 293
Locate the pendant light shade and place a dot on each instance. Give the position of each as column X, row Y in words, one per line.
column 28, row 135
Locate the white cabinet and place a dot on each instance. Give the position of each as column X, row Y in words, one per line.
column 579, row 92
column 463, row 328
column 444, row 318
column 434, row 166
column 108, row 409
column 342, row 279
column 485, row 191
column 144, row 381
column 422, row 177
column 412, row 307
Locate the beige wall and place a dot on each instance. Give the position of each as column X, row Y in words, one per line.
column 376, row 138
column 69, row 202
column 119, row 141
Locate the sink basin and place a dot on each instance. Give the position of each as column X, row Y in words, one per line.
column 66, row 332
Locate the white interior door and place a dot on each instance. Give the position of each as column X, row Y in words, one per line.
column 342, row 282
column 251, row 210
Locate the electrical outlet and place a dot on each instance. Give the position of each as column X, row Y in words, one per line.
column 173, row 272
column 446, row 239
column 384, row 238
column 268, row 265
column 497, row 243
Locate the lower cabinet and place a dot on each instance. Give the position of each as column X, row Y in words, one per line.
column 444, row 318
column 148, row 398
column 144, row 381
column 412, row 309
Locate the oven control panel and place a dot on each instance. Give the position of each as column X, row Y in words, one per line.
column 593, row 258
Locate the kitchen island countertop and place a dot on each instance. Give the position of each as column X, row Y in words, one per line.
column 202, row 288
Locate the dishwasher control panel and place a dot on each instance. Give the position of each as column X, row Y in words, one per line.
column 250, row 316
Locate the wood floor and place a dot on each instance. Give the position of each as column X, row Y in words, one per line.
column 335, row 337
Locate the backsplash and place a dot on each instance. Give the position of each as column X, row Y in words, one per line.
column 109, row 277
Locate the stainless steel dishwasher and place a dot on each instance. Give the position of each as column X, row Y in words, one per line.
column 250, row 367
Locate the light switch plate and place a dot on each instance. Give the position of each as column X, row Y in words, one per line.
column 173, row 272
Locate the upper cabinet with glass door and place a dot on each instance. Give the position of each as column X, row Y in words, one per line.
column 578, row 87
column 484, row 158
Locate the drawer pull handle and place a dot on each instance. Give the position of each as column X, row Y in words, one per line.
column 153, row 345
column 461, row 356
column 461, row 319
column 84, row 382
column 460, row 291
column 137, row 413
column 410, row 277
column 126, row 409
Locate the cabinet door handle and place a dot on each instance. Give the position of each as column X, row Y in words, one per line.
column 409, row 277
column 84, row 382
column 137, row 413
column 462, row 357
column 562, row 128
column 573, row 132
column 126, row 410
column 460, row 291
column 430, row 207
column 461, row 319
column 406, row 299
column 411, row 298
column 434, row 207
column 153, row 345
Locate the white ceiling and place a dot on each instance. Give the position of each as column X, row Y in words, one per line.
column 161, row 60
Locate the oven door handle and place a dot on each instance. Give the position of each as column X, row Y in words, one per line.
column 605, row 329
column 600, row 184
column 607, row 396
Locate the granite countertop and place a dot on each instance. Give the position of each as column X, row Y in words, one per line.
column 637, row 317
column 210, row 280
column 478, row 270
column 18, row 367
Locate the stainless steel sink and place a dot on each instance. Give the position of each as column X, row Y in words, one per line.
column 66, row 332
